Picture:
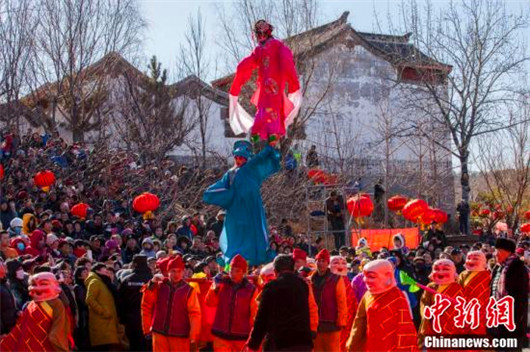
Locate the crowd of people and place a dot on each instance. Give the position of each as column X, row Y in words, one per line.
column 117, row 280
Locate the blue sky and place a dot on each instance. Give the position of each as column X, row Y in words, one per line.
column 167, row 21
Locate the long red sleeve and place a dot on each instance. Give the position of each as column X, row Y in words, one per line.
column 243, row 73
column 289, row 69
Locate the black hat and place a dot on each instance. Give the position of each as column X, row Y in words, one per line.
column 506, row 244
column 456, row 251
column 139, row 260
column 209, row 259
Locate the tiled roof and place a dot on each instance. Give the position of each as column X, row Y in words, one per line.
column 393, row 48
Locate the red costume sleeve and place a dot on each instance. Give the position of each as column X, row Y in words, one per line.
column 289, row 69
column 243, row 73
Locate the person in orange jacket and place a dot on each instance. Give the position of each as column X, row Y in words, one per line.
column 235, row 299
column 171, row 311
column 300, row 261
column 338, row 266
column 330, row 295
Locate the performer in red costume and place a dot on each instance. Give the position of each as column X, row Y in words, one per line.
column 338, row 266
column 384, row 320
column 276, row 70
column 43, row 325
column 171, row 311
column 443, row 278
column 475, row 281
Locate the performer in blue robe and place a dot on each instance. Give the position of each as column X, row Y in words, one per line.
column 245, row 226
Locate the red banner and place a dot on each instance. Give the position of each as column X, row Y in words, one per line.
column 378, row 238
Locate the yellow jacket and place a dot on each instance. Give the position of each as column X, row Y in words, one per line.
column 102, row 315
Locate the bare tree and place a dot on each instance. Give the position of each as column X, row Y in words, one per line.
column 194, row 62
column 18, row 20
column 480, row 42
column 72, row 36
column 504, row 162
column 148, row 119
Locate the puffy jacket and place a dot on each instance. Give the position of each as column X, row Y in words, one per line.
column 34, row 239
column 102, row 314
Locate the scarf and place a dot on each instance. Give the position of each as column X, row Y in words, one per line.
column 500, row 286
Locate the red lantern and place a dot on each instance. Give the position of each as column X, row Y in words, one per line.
column 485, row 212
column 414, row 209
column 80, row 210
column 525, row 228
column 360, row 206
column 440, row 216
column 146, row 202
column 428, row 217
column 527, row 215
column 396, row 203
column 1, row 172
column 44, row 179
column 317, row 176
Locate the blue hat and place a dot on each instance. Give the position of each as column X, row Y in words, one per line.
column 243, row 149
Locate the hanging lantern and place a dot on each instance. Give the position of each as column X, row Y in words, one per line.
column 360, row 206
column 80, row 210
column 396, row 203
column 428, row 217
column 525, row 228
column 44, row 179
column 440, row 216
column 146, row 202
column 527, row 215
column 414, row 209
column 485, row 213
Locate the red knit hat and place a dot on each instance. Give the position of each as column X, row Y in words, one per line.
column 239, row 262
column 162, row 265
column 299, row 254
column 175, row 263
column 323, row 254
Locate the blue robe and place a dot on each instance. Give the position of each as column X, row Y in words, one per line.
column 245, row 226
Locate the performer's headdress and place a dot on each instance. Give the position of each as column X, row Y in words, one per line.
column 243, row 149
column 263, row 30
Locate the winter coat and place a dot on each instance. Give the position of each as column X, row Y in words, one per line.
column 81, row 331
column 283, row 317
column 102, row 314
column 131, row 298
column 34, row 239
column 8, row 313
